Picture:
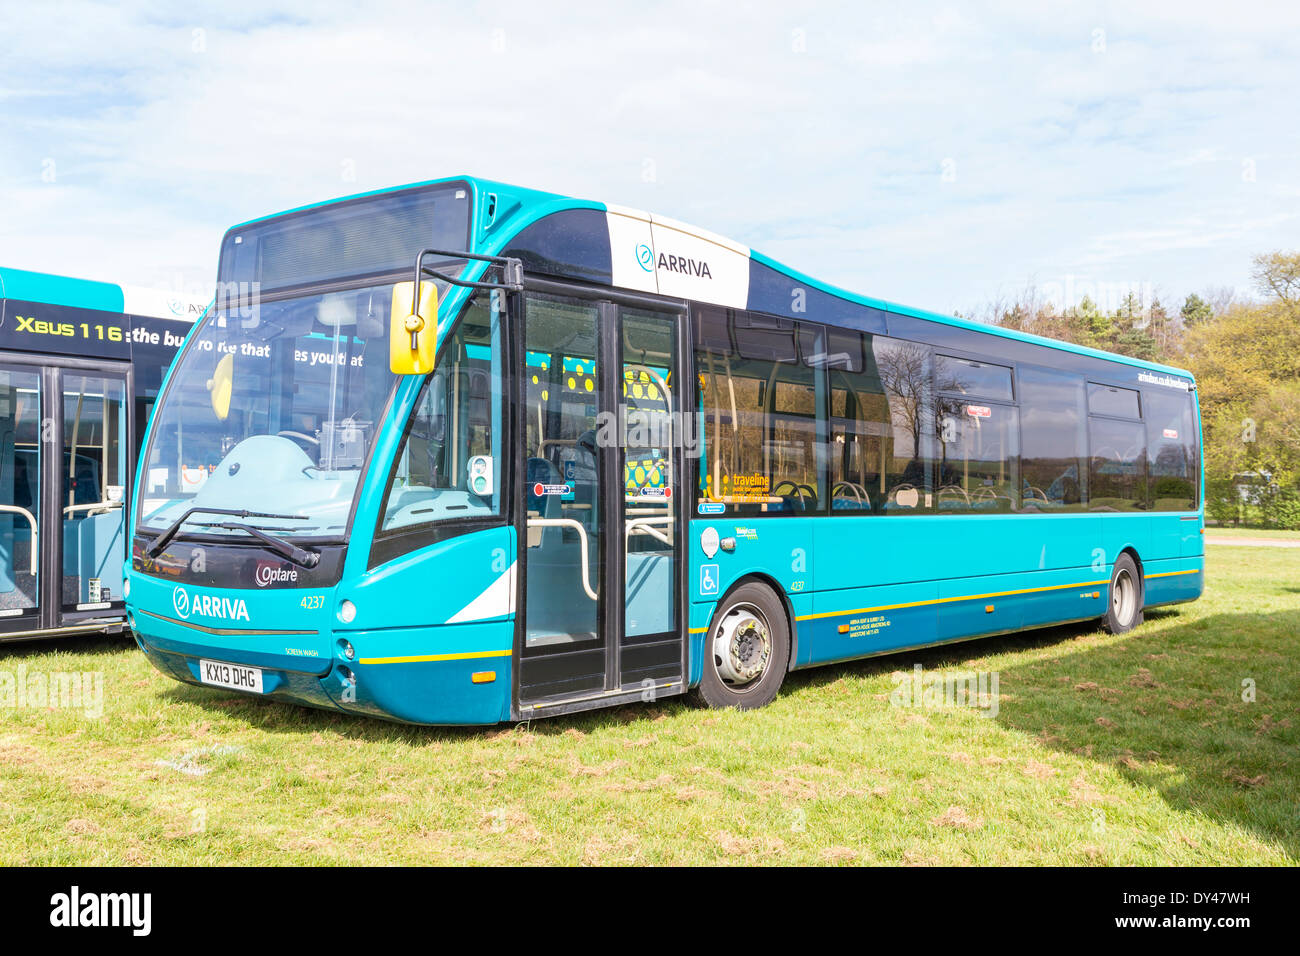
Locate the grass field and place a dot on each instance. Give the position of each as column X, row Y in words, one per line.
column 1105, row 750
column 1229, row 532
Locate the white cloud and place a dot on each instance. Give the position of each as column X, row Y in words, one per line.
column 166, row 126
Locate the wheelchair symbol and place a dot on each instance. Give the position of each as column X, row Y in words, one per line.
column 709, row 579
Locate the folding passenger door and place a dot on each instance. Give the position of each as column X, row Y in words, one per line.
column 600, row 526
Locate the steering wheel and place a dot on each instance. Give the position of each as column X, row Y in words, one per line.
column 299, row 437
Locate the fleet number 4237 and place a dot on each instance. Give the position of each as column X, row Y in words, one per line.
column 313, row 602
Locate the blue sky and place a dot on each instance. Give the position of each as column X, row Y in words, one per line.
column 941, row 155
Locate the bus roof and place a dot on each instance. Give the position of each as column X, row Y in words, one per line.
column 25, row 286
column 520, row 207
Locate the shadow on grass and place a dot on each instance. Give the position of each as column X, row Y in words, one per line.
column 1169, row 706
column 273, row 716
column 19, row 650
column 1203, row 710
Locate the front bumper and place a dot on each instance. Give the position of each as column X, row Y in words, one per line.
column 436, row 691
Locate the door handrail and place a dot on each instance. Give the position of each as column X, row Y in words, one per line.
column 648, row 526
column 31, row 519
column 104, row 506
column 582, row 542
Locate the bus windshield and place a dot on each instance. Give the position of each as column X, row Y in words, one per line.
column 272, row 408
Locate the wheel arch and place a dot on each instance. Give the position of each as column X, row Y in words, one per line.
column 1132, row 552
column 760, row 577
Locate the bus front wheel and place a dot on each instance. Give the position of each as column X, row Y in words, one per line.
column 746, row 650
column 1126, row 596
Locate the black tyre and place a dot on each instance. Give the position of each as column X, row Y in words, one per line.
column 1126, row 596
column 746, row 650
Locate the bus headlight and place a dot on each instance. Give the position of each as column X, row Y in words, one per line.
column 347, row 611
column 126, row 586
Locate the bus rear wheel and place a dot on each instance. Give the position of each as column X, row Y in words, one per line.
column 746, row 650
column 1126, row 596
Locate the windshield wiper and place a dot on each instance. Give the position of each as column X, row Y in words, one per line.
column 285, row 549
column 164, row 539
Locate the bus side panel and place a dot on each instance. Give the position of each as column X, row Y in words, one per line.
column 1174, row 581
column 1030, row 570
column 457, row 579
column 777, row 548
column 855, row 622
column 434, row 631
column 1167, row 531
column 437, row 683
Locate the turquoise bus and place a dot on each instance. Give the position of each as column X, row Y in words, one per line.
column 476, row 453
column 81, row 364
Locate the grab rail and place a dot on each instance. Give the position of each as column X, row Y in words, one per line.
column 105, row 506
column 31, row 519
column 582, row 542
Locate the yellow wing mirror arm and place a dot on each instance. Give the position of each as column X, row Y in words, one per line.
column 413, row 322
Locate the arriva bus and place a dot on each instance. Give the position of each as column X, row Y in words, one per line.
column 641, row 459
column 81, row 364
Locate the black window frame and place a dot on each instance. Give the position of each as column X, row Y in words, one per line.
column 388, row 544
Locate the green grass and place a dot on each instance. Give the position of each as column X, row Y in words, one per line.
column 1252, row 533
column 1105, row 750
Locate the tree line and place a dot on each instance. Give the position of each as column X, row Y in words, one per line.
column 1245, row 354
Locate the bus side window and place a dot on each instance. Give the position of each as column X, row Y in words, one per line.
column 902, row 373
column 881, row 446
column 1171, row 447
column 760, row 407
column 1055, row 450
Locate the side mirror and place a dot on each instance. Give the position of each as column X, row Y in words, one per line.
column 413, row 329
column 221, row 385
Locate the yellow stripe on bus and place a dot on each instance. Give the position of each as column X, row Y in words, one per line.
column 805, row 617
column 967, row 597
column 421, row 658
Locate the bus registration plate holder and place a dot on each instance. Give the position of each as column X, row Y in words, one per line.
column 232, row 676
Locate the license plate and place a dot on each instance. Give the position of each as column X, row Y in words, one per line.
column 234, row 676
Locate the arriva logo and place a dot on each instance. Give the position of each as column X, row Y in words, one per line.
column 206, row 605
column 645, row 257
